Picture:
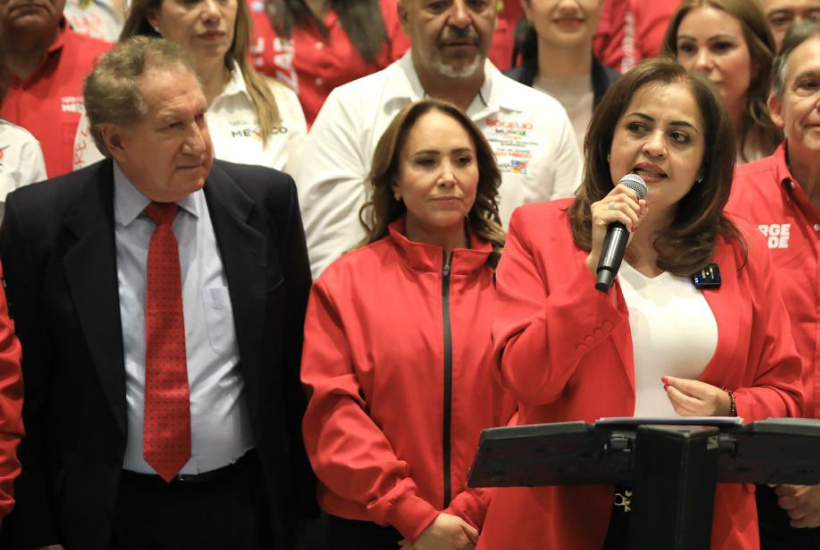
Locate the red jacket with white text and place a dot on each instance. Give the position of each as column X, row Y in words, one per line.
column 565, row 352
column 397, row 364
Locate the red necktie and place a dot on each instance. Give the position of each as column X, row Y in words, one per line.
column 166, row 442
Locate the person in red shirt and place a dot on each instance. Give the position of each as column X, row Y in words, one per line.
column 502, row 50
column 48, row 63
column 315, row 46
column 781, row 195
column 397, row 356
column 11, row 407
column 632, row 30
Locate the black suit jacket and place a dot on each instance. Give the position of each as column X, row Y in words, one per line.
column 58, row 253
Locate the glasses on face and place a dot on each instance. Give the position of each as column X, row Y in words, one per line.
column 782, row 19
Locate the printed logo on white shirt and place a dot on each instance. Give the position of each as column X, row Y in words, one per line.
column 249, row 129
column 777, row 234
column 73, row 104
column 512, row 144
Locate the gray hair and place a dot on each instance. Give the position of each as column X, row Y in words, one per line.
column 798, row 33
column 111, row 92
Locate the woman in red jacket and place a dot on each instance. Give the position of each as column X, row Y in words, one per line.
column 397, row 359
column 656, row 344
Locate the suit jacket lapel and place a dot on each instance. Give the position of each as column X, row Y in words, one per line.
column 91, row 272
column 243, row 250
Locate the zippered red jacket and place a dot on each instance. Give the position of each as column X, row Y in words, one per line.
column 397, row 364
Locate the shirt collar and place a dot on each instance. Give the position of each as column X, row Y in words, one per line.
column 426, row 257
column 129, row 202
column 236, row 85
column 52, row 50
column 494, row 94
column 782, row 172
column 60, row 42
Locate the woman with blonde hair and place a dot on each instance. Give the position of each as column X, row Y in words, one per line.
column 252, row 119
column 730, row 42
column 397, row 356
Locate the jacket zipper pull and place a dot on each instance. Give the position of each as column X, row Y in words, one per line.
column 447, row 260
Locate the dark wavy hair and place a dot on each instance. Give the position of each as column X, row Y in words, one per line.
column 382, row 208
column 761, row 46
column 689, row 243
column 361, row 19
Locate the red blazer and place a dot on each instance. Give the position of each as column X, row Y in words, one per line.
column 565, row 351
column 11, row 407
column 385, row 431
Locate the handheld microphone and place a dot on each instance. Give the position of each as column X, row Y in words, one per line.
column 616, row 238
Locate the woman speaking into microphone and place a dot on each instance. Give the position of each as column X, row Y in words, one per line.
column 660, row 342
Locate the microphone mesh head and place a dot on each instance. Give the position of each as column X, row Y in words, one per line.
column 636, row 183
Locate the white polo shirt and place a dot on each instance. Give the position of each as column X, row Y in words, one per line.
column 21, row 160
column 528, row 130
column 233, row 127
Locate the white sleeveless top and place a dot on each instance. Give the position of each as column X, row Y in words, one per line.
column 674, row 333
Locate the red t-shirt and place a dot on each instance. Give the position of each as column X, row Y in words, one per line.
column 765, row 193
column 50, row 101
column 503, row 44
column 631, row 30
column 313, row 65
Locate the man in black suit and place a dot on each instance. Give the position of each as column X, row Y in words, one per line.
column 159, row 296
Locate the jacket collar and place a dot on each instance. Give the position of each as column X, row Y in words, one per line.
column 426, row 257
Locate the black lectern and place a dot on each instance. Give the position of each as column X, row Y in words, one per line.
column 672, row 468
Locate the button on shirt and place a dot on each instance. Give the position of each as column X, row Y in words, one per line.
column 233, row 127
column 50, row 101
column 220, row 424
column 766, row 194
column 528, row 131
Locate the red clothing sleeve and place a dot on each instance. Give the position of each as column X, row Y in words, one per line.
column 11, row 407
column 348, row 451
column 536, row 327
column 777, row 388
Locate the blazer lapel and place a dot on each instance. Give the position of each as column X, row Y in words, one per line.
column 91, row 272
column 243, row 250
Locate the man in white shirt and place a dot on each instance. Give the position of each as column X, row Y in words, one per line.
column 529, row 131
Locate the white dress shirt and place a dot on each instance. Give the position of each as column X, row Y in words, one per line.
column 21, row 160
column 221, row 431
column 233, row 127
column 528, row 130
